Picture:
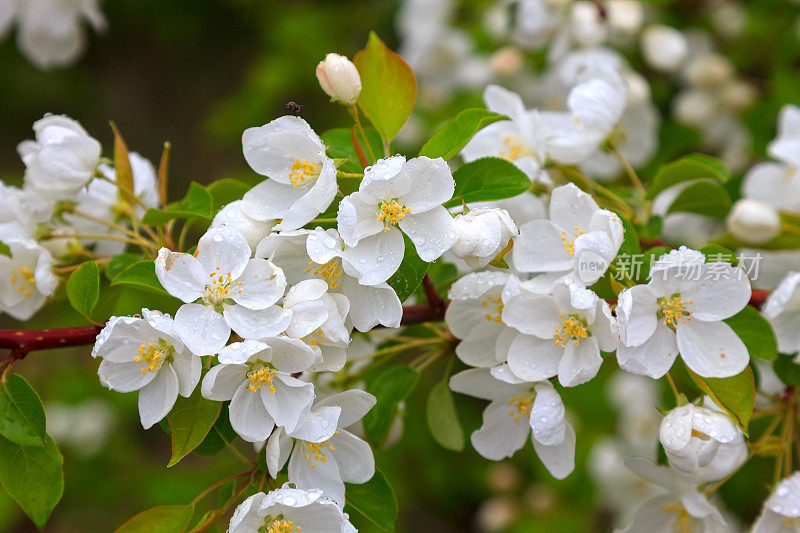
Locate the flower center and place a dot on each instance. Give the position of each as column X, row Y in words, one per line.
column 520, row 405
column 673, row 310
column 515, row 148
column 24, row 279
column 573, row 328
column 278, row 525
column 219, row 286
column 494, row 305
column 303, row 171
column 683, row 522
column 315, row 452
column 261, row 374
column 569, row 239
column 152, row 355
column 391, row 212
column 331, row 271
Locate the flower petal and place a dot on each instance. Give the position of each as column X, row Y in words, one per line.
column 712, row 349
column 157, row 397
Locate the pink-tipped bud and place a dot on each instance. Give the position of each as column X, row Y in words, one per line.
column 339, row 78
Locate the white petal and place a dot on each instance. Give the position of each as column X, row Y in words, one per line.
column 317, row 425
column 377, row 257
column 652, row 358
column 270, row 200
column 712, row 349
column 540, row 248
column 249, row 417
column 504, row 431
column 278, row 448
column 262, row 285
column 559, row 459
column 532, row 314
column 478, row 382
column 371, row 305
column 157, row 397
column 432, row 232
column 580, row 363
column 354, row 457
column 357, row 219
column 323, row 475
column 257, row 324
column 636, row 315
column 430, row 183
column 716, row 299
column 223, row 250
column 571, row 208
column 180, row 274
column 222, row 381
column 534, row 359
column 123, row 377
column 188, row 368
column 548, row 421
column 290, row 355
column 201, row 329
column 290, row 401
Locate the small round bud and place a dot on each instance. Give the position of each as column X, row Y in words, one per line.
column 708, row 70
column 339, row 78
column 753, row 222
column 729, row 19
column 738, row 95
column 482, row 234
column 694, row 107
column 638, row 89
column 506, row 61
column 664, row 48
column 625, row 16
column 587, row 26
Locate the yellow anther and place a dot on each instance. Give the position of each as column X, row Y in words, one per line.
column 331, row 271
column 315, row 452
column 151, row 356
column 495, row 303
column 569, row 239
column 683, row 522
column 520, row 405
column 302, row 171
column 573, row 328
column 391, row 212
column 674, row 311
column 279, row 525
column 24, row 279
column 219, row 285
column 262, row 376
column 515, row 148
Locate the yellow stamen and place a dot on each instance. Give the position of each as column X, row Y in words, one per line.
column 569, row 239
column 391, row 212
column 495, row 304
column 302, row 171
column 278, row 525
column 683, row 522
column 24, row 279
column 673, row 310
column 331, row 271
column 516, row 148
column 151, row 356
column 520, row 405
column 314, row 452
column 573, row 328
column 261, row 376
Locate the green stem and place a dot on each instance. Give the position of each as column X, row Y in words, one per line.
column 353, row 110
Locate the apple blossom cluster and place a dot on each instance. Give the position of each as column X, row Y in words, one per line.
column 50, row 33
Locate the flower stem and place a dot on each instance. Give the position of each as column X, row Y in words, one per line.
column 353, row 110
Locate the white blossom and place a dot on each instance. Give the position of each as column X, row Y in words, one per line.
column 301, row 180
column 681, row 309
column 781, row 512
column 664, row 48
column 782, row 311
column 146, row 354
column 517, row 409
column 256, row 376
column 61, row 160
column 235, row 291
column 234, row 216
column 289, row 509
column 321, row 452
column 395, row 197
column 482, row 234
column 753, row 222
column 26, row 278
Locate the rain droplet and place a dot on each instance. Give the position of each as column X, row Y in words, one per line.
column 217, row 237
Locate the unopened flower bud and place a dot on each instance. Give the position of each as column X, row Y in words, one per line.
column 625, row 16
column 694, row 107
column 708, row 70
column 587, row 26
column 638, row 89
column 738, row 95
column 753, row 222
column 339, row 78
column 506, row 61
column 482, row 234
column 664, row 48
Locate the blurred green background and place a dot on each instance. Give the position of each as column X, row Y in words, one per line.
column 199, row 72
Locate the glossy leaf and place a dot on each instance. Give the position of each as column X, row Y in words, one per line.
column 373, row 502
column 756, row 333
column 736, row 394
column 340, row 146
column 410, row 273
column 388, row 87
column 390, row 388
column 141, row 274
column 488, row 178
column 225, row 191
column 190, row 420
column 442, row 418
column 163, row 519
column 83, row 288
column 22, row 418
column 703, row 198
column 690, row 167
column 448, row 141
column 122, row 168
column 196, row 204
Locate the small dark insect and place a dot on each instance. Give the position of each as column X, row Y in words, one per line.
column 293, row 108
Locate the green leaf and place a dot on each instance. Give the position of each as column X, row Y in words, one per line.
column 196, row 204
column 736, row 394
column 704, row 198
column 33, row 477
column 442, row 418
column 388, row 87
column 787, row 370
column 690, row 167
column 21, row 413
column 374, row 502
column 141, row 274
column 225, row 191
column 164, row 519
column 488, row 178
column 221, row 434
column 340, row 146
column 120, row 263
column 448, row 141
column 410, row 273
column 190, row 421
column 83, row 288
column 756, row 333
column 715, row 253
column 390, row 388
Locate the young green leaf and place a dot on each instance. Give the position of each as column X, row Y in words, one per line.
column 390, row 388
column 704, row 198
column 373, row 502
column 410, row 273
column 83, row 289
column 448, row 141
column 736, row 394
column 690, row 167
column 120, row 263
column 220, row 435
column 33, row 477
column 787, row 370
column 388, row 87
column 141, row 274
column 340, row 146
column 488, row 178
column 164, row 519
column 190, row 421
column 21, row 413
column 122, row 168
column 442, row 417
column 196, row 204
column 756, row 333
column 225, row 191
